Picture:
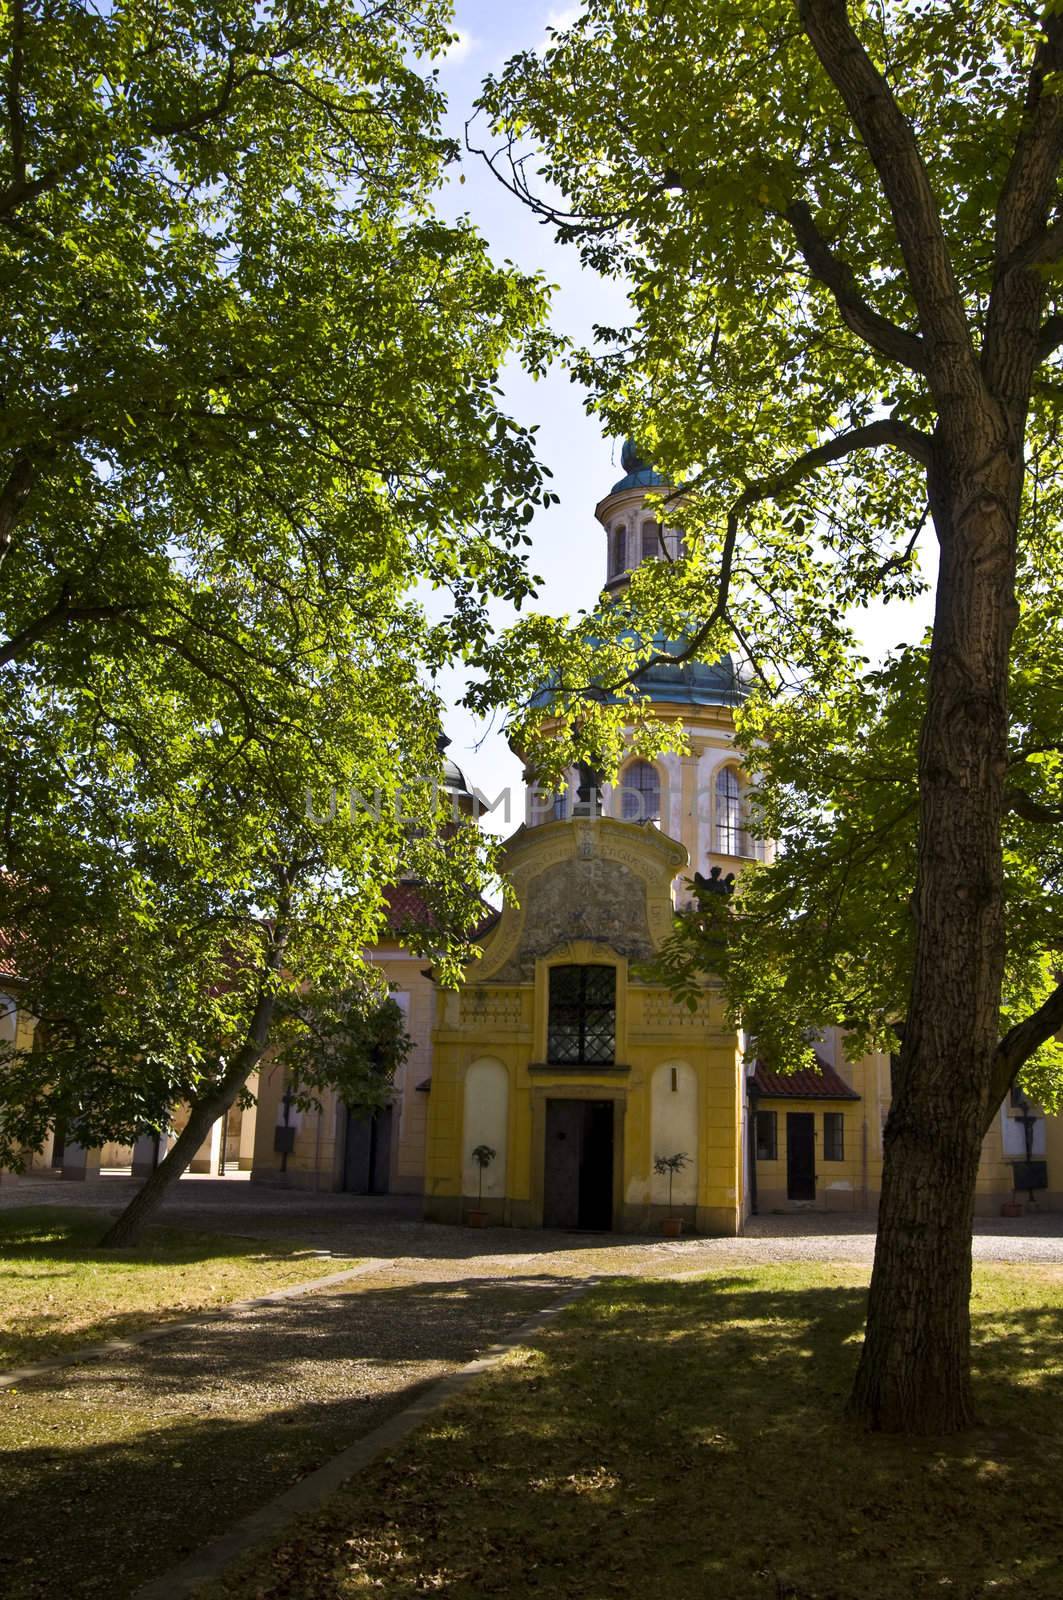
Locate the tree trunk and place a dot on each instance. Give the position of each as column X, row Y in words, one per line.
column 126, row 1229
column 914, row 1373
column 147, row 1200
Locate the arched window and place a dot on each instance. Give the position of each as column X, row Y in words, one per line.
column 651, row 541
column 617, row 551
column 730, row 835
column 561, row 805
column 640, row 793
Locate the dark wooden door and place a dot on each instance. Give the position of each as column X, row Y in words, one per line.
column 578, row 1175
column 367, row 1154
column 596, row 1166
column 564, row 1136
column 800, row 1155
column 380, row 1176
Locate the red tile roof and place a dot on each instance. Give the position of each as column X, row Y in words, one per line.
column 7, row 959
column 405, row 904
column 820, row 1082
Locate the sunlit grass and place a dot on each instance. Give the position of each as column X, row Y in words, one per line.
column 687, row 1440
column 59, row 1290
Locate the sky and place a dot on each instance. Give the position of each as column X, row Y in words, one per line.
column 568, row 549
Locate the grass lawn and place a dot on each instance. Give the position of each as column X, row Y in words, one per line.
column 58, row 1290
column 686, row 1441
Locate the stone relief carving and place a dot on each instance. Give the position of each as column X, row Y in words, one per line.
column 661, row 1011
column 597, row 899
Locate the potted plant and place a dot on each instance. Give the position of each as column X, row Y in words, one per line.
column 671, row 1226
column 483, row 1155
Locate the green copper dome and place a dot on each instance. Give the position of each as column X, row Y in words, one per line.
column 640, row 474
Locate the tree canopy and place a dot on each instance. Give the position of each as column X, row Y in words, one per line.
column 256, row 488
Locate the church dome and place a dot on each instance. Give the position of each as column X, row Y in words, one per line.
column 682, row 683
column 694, row 683
column 640, row 474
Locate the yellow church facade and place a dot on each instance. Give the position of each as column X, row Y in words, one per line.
column 560, row 1058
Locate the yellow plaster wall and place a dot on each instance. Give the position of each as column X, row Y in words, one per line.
column 506, row 1021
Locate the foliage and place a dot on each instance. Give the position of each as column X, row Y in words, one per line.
column 255, row 490
column 786, row 369
column 823, row 937
column 352, row 1042
column 483, row 1155
column 671, row 1165
column 240, row 345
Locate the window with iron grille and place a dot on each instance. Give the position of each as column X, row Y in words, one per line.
column 767, row 1136
column 833, row 1136
column 582, row 1017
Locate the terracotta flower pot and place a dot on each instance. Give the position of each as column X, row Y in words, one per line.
column 672, row 1227
column 1012, row 1208
column 477, row 1219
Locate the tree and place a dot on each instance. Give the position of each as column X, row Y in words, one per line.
column 184, row 903
column 842, row 227
column 250, row 414
column 240, row 347
column 823, row 936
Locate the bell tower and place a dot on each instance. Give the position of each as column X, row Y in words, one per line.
column 633, row 532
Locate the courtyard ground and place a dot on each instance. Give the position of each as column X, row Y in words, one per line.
column 145, row 1457
column 686, row 1439
column 59, row 1292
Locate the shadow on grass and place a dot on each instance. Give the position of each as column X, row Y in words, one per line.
column 688, row 1440
column 141, row 1461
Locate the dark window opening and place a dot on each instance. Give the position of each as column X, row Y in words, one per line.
column 767, row 1136
column 582, row 1018
column 640, row 793
column 833, row 1136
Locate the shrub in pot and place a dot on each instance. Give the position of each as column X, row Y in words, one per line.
column 483, row 1155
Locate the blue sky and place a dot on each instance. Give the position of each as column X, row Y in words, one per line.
column 568, row 549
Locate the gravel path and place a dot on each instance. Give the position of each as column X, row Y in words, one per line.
column 391, row 1226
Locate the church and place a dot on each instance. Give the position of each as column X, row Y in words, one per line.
column 560, row 1087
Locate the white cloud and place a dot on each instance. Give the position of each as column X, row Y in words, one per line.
column 558, row 20
column 461, row 49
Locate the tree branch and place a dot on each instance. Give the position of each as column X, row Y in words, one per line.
column 891, row 144
column 57, row 616
column 13, row 497
column 1050, row 337
column 1019, row 1044
column 1024, row 805
column 895, row 343
column 1030, row 185
column 872, row 436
